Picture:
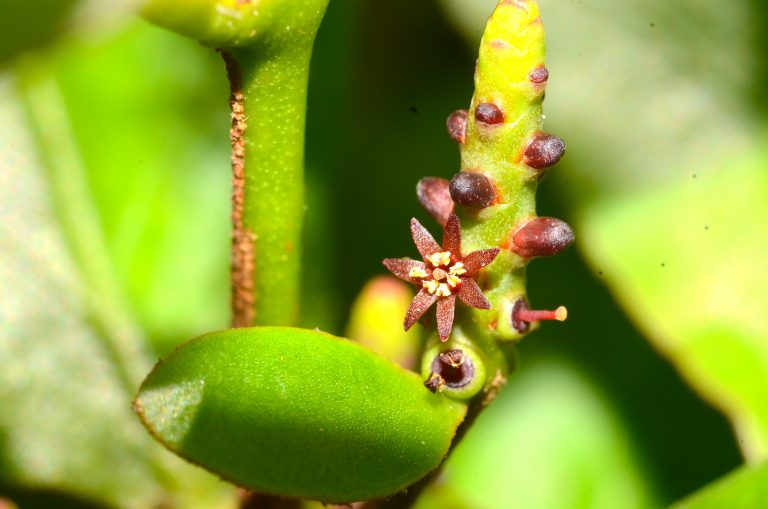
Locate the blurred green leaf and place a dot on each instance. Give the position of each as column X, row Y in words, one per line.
column 549, row 441
column 746, row 488
column 69, row 355
column 687, row 261
column 25, row 25
column 152, row 136
column 298, row 413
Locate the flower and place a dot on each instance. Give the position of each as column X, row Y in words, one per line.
column 443, row 275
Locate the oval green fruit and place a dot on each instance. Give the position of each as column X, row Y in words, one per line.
column 298, row 413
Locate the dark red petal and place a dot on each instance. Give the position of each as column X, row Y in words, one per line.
column 471, row 295
column 452, row 235
column 418, row 307
column 401, row 266
column 424, row 241
column 476, row 260
column 435, row 197
column 445, row 308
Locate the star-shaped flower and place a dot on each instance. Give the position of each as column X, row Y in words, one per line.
column 443, row 275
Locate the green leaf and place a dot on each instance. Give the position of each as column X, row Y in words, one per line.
column 69, row 355
column 551, row 440
column 297, row 412
column 746, row 488
column 683, row 261
column 25, row 25
column 157, row 171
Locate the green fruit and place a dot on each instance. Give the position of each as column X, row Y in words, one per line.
column 298, row 413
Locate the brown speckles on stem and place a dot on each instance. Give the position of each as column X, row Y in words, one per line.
column 243, row 239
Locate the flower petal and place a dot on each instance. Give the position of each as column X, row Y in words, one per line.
column 476, row 260
column 418, row 307
column 424, row 241
column 452, row 235
column 435, row 197
column 445, row 308
column 471, row 295
column 401, row 267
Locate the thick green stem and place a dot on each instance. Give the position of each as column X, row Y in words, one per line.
column 269, row 92
column 267, row 46
column 511, row 50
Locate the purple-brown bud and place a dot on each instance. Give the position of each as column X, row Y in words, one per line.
column 471, row 189
column 435, row 197
column 543, row 236
column 522, row 317
column 489, row 113
column 457, row 125
column 543, row 151
column 538, row 75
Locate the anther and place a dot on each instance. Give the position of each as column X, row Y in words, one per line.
column 489, row 113
column 435, row 197
column 435, row 382
column 457, row 125
column 522, row 316
column 538, row 75
column 453, row 358
column 543, row 151
column 543, row 236
column 472, row 189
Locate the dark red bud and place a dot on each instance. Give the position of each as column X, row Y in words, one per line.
column 538, row 75
column 543, row 236
column 489, row 113
column 435, row 197
column 452, row 369
column 543, row 151
column 471, row 189
column 457, row 125
column 522, row 316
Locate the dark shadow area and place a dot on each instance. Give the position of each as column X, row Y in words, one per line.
column 44, row 499
column 685, row 442
column 759, row 17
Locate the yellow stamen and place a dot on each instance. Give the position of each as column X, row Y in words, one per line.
column 453, row 280
column 457, row 269
column 417, row 272
column 431, row 285
column 442, row 258
column 561, row 314
column 443, row 290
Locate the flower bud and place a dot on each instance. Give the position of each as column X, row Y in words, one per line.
column 457, row 125
column 543, row 236
column 489, row 113
column 471, row 189
column 543, row 151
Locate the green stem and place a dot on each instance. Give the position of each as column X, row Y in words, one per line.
column 269, row 91
column 512, row 47
column 267, row 47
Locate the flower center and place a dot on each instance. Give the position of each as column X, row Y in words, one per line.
column 443, row 279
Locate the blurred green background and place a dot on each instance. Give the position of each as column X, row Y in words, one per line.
column 114, row 237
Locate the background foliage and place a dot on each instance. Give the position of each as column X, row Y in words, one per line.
column 114, row 227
